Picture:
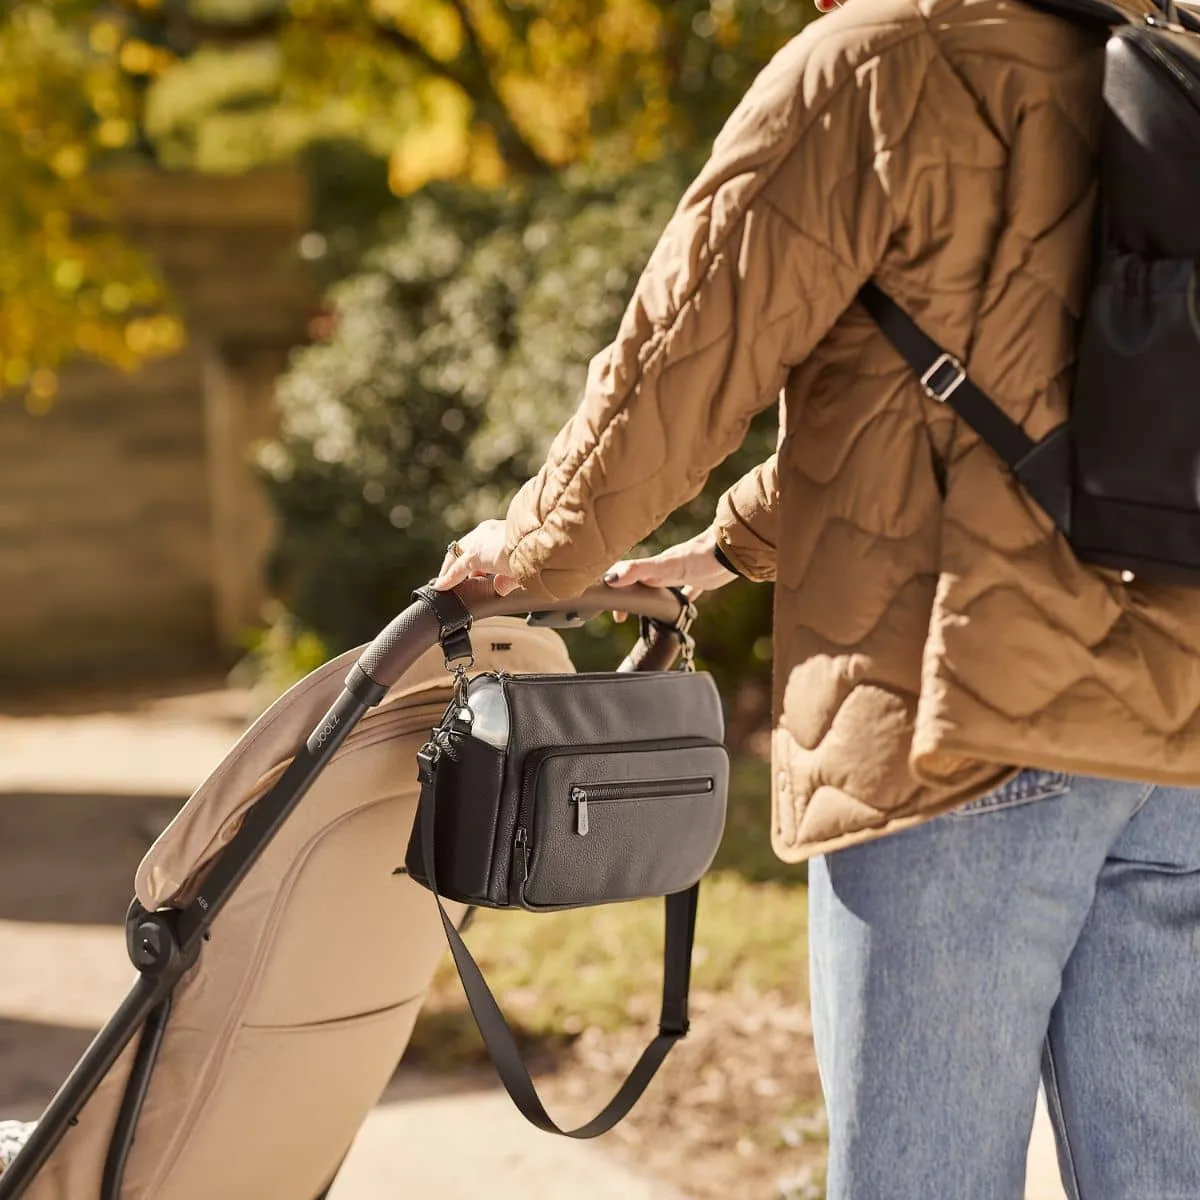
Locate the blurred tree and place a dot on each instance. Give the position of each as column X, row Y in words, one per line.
column 471, row 90
column 68, row 98
column 541, row 146
column 454, row 353
column 475, row 91
column 367, row 472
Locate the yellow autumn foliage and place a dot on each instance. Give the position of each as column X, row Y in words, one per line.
column 625, row 80
column 475, row 91
column 70, row 284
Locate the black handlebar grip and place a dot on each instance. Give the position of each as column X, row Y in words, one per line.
column 398, row 645
column 414, row 630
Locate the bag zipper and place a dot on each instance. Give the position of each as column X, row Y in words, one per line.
column 533, row 766
column 619, row 793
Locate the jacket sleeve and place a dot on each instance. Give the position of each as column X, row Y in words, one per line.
column 766, row 250
column 746, row 521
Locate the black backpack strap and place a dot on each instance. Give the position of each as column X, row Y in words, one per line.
column 944, row 378
column 1043, row 468
column 498, row 1037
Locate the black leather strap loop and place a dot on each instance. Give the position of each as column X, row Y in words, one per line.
column 454, row 625
column 498, row 1037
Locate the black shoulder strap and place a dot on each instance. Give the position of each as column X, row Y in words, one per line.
column 944, row 378
column 1042, row 468
column 498, row 1037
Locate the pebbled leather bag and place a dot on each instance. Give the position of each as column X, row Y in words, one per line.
column 549, row 792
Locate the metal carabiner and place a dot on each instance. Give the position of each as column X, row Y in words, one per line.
column 459, row 694
column 683, row 630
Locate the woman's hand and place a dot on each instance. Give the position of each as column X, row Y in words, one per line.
column 477, row 555
column 691, row 565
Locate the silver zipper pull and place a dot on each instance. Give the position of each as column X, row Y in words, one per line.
column 581, row 811
column 523, row 846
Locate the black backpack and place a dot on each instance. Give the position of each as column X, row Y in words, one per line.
column 1121, row 478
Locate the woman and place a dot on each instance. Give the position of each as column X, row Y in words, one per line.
column 986, row 749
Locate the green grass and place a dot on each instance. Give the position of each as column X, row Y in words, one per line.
column 557, row 973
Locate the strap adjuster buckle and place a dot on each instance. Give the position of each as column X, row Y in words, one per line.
column 944, row 378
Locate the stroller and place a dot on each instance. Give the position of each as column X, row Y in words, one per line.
column 281, row 957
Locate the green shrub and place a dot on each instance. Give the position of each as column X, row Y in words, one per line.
column 458, row 348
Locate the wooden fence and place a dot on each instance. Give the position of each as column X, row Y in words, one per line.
column 132, row 532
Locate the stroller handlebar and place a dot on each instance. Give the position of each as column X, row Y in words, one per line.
column 415, row 630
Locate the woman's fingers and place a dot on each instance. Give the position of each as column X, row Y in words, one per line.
column 455, row 570
column 623, row 575
column 671, row 568
column 691, row 565
column 626, row 574
column 477, row 555
column 656, row 571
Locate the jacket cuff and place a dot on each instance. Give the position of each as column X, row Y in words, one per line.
column 725, row 560
column 747, row 552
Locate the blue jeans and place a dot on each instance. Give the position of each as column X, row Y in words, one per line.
column 1049, row 929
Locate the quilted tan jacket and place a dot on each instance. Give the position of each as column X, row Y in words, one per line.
column 924, row 646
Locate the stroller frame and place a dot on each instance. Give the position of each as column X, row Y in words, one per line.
column 163, row 945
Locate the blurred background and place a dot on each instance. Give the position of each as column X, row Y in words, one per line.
column 294, row 292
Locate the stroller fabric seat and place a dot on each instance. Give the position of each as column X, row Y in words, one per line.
column 285, row 1032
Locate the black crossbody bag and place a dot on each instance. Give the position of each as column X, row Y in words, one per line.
column 549, row 792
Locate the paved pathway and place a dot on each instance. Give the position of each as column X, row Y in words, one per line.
column 422, row 1139
column 65, row 967
column 1043, row 1182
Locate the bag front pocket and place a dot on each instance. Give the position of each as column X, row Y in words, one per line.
column 620, row 824
column 585, row 795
